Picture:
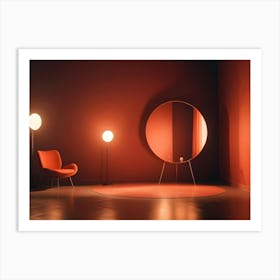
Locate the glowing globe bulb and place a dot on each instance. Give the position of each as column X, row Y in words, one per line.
column 35, row 121
column 107, row 136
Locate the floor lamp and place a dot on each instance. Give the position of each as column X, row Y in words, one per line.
column 35, row 123
column 107, row 137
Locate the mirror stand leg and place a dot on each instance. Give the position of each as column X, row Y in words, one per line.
column 176, row 173
column 190, row 166
column 163, row 166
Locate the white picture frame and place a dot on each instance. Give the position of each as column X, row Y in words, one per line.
column 24, row 58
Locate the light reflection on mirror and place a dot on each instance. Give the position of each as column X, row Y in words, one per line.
column 176, row 131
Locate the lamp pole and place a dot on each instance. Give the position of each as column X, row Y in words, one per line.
column 32, row 142
column 35, row 123
column 106, row 163
column 107, row 137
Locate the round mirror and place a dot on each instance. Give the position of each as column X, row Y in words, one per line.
column 176, row 131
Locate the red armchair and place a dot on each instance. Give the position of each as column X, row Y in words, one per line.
column 52, row 165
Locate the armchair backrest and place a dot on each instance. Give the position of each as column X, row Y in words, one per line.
column 50, row 159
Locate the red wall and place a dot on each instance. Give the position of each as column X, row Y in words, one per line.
column 234, row 115
column 79, row 99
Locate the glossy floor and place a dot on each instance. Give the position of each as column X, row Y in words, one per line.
column 83, row 203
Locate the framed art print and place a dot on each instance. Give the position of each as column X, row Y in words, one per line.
column 139, row 139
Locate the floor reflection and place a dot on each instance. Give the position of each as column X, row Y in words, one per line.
column 82, row 203
column 175, row 209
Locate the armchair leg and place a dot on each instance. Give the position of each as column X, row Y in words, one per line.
column 71, row 181
column 57, row 181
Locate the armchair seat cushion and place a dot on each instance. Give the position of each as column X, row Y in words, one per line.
column 62, row 172
column 52, row 164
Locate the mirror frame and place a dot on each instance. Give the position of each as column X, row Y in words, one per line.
column 187, row 104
